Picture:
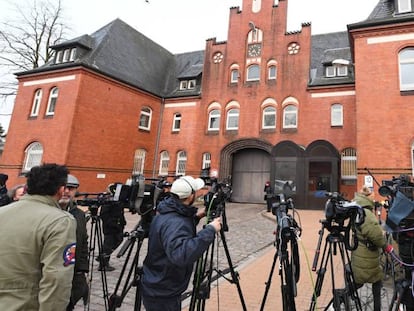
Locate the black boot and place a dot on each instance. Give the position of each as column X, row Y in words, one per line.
column 104, row 263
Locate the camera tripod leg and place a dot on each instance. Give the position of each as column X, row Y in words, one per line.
column 96, row 239
column 269, row 280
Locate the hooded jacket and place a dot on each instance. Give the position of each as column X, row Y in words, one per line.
column 365, row 259
column 173, row 248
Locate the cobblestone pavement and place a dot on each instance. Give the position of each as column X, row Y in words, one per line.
column 250, row 244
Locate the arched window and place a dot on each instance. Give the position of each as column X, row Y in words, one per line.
column 33, row 156
column 234, row 77
column 232, row 119
column 206, row 160
column 349, row 164
column 36, row 103
column 271, row 72
column 253, row 73
column 164, row 163
column 269, row 118
column 145, row 119
column 290, row 117
column 337, row 118
column 181, row 163
column 214, row 120
column 139, row 162
column 406, row 61
column 176, row 122
column 51, row 105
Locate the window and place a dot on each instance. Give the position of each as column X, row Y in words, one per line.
column 234, row 76
column 404, row 6
column 51, row 105
column 181, row 163
column 36, row 103
column 269, row 118
column 253, row 73
column 406, row 60
column 206, row 160
column 145, row 119
column 72, row 54
column 349, row 164
column 232, row 119
column 59, row 57
column 66, row 55
column 336, row 71
column 33, row 156
column 337, row 115
column 290, row 117
column 214, row 120
column 272, row 73
column 191, row 84
column 176, row 122
column 183, row 85
column 139, row 161
column 164, row 163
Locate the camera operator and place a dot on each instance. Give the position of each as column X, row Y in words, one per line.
column 113, row 224
column 365, row 259
column 174, row 246
column 80, row 288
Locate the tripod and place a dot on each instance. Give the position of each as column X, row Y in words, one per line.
column 204, row 267
column 334, row 241
column 289, row 268
column 96, row 240
column 115, row 301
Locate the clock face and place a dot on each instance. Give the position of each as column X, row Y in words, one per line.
column 254, row 50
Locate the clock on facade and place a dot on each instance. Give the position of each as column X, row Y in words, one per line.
column 254, row 50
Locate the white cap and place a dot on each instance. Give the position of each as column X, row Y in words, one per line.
column 186, row 185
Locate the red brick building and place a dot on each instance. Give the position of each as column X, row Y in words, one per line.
column 321, row 111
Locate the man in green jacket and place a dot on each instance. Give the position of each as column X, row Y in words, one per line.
column 37, row 242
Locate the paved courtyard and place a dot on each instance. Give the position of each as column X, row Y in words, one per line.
column 250, row 244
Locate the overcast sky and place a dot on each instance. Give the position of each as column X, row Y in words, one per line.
column 185, row 25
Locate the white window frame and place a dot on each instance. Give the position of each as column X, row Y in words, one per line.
column 253, row 73
column 342, row 70
column 145, row 118
column 176, row 122
column 59, row 57
column 288, row 111
column 33, row 156
column 272, row 72
column 349, row 164
column 406, row 67
column 183, row 85
column 337, row 115
column 139, row 162
column 234, row 76
column 181, row 163
column 214, row 116
column 404, row 6
column 269, row 111
column 72, row 54
column 206, row 160
column 66, row 55
column 191, row 84
column 233, row 117
column 164, row 163
column 36, row 103
column 330, row 71
column 51, row 104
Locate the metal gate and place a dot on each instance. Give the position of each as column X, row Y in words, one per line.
column 251, row 169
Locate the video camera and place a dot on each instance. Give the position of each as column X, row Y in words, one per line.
column 139, row 197
column 338, row 209
column 400, row 194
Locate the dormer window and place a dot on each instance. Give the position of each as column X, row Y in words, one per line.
column 332, row 71
column 188, row 84
column 65, row 56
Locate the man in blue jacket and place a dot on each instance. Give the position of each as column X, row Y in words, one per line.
column 174, row 246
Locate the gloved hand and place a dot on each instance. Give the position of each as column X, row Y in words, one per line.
column 388, row 249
